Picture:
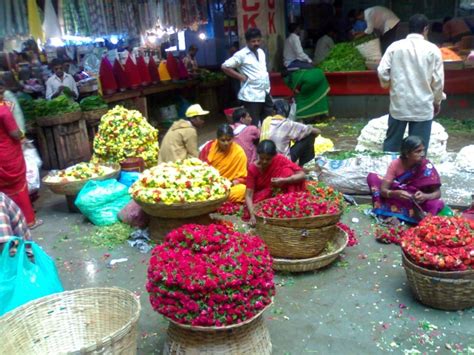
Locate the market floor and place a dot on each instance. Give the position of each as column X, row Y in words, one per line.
column 361, row 304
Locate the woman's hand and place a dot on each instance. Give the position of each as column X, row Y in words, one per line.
column 420, row 197
column 401, row 194
column 252, row 220
column 278, row 181
column 235, row 182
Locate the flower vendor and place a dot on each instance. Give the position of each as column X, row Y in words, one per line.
column 12, row 164
column 60, row 82
column 271, row 170
column 180, row 142
column 410, row 187
column 229, row 159
column 283, row 131
column 246, row 135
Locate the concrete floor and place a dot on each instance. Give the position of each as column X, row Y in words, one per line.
column 361, row 304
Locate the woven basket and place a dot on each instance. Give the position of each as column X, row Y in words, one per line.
column 94, row 115
column 249, row 337
column 181, row 210
column 448, row 290
column 304, row 222
column 85, row 321
column 64, row 118
column 311, row 264
column 295, row 243
column 72, row 188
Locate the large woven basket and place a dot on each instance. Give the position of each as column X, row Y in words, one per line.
column 295, row 243
column 304, row 222
column 84, row 321
column 64, row 118
column 447, row 290
column 181, row 210
column 249, row 337
column 311, row 264
column 72, row 188
column 94, row 115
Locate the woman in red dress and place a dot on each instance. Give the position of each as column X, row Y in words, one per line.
column 12, row 164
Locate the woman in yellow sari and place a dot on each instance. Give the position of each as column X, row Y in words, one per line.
column 229, row 159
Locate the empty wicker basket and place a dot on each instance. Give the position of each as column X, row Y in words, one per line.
column 447, row 290
column 85, row 321
column 249, row 337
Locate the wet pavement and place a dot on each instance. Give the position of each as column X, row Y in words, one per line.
column 361, row 304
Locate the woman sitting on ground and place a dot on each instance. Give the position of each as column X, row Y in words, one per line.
column 411, row 186
column 270, row 171
column 229, row 159
column 246, row 135
column 283, row 131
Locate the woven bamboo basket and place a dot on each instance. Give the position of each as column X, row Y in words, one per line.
column 447, row 290
column 181, row 210
column 94, row 115
column 71, row 188
column 61, row 119
column 295, row 243
column 85, row 321
column 304, row 222
column 249, row 337
column 311, row 264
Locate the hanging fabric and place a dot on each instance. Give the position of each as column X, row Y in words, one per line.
column 97, row 20
column 50, row 23
column 34, row 21
column 84, row 19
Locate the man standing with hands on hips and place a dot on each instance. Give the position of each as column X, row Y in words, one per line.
column 249, row 66
column 413, row 70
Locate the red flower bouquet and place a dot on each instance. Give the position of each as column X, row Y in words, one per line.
column 440, row 243
column 210, row 276
column 297, row 205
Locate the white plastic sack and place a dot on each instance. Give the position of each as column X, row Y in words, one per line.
column 33, row 166
column 373, row 134
column 465, row 159
column 370, row 50
column 349, row 176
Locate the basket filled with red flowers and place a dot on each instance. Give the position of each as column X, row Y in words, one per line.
column 297, row 225
column 213, row 284
column 438, row 257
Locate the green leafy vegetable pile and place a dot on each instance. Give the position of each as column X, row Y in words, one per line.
column 207, row 76
column 343, row 57
column 32, row 109
column 108, row 236
column 91, row 103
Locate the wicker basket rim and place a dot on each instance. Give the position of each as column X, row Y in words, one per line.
column 416, row 267
column 184, row 205
column 116, row 168
column 321, row 216
column 227, row 327
column 99, row 343
column 319, row 257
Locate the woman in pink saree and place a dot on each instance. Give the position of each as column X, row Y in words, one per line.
column 411, row 186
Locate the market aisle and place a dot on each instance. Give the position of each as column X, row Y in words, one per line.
column 360, row 304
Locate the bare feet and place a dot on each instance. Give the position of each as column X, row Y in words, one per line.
column 37, row 223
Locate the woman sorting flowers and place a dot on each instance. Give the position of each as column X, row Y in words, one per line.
column 271, row 171
column 411, row 186
column 229, row 159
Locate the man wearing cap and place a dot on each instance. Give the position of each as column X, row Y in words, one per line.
column 180, row 142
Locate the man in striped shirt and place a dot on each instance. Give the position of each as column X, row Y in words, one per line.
column 12, row 223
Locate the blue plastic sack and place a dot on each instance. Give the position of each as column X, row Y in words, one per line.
column 21, row 280
column 101, row 201
column 128, row 177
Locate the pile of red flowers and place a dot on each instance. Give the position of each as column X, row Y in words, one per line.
column 350, row 233
column 441, row 243
column 229, row 208
column 320, row 189
column 296, row 205
column 210, row 276
column 389, row 234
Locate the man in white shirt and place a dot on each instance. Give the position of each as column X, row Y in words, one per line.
column 293, row 54
column 384, row 23
column 324, row 46
column 413, row 70
column 60, row 82
column 249, row 66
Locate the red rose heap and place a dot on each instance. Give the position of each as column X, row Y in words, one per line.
column 210, row 276
column 297, row 205
column 440, row 243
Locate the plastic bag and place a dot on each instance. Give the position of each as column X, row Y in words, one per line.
column 370, row 50
column 22, row 281
column 128, row 177
column 101, row 201
column 133, row 215
column 33, row 166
